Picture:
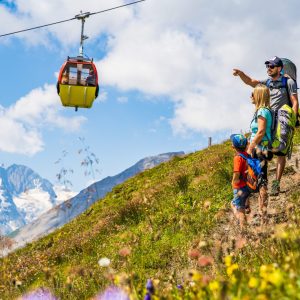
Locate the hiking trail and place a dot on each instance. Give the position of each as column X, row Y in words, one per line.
column 279, row 212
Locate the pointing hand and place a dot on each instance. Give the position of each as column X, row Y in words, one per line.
column 236, row 72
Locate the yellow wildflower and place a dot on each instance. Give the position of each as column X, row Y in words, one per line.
column 231, row 269
column 261, row 297
column 263, row 285
column 228, row 260
column 263, row 270
column 214, row 286
column 196, row 276
column 276, row 278
column 253, row 283
column 233, row 279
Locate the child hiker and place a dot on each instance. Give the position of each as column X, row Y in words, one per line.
column 239, row 204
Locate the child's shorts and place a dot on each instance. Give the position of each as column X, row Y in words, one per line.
column 240, row 196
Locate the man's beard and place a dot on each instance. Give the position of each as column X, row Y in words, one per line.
column 274, row 75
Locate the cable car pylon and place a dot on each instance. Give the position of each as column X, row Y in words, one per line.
column 82, row 17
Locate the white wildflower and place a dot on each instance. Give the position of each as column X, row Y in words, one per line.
column 104, row 262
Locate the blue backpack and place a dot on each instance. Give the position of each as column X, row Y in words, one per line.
column 253, row 174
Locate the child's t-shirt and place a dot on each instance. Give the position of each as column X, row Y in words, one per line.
column 240, row 165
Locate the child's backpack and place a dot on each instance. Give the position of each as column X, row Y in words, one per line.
column 253, row 174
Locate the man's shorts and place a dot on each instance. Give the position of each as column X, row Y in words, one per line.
column 240, row 196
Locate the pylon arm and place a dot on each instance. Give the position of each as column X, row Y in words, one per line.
column 83, row 37
column 82, row 15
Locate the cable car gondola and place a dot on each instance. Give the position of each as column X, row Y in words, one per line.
column 77, row 84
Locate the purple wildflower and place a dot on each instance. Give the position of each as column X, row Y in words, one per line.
column 113, row 293
column 150, row 286
column 147, row 297
column 39, row 294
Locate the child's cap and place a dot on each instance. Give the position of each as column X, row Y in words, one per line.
column 239, row 141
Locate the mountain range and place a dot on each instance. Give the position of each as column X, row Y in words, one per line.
column 64, row 212
column 24, row 195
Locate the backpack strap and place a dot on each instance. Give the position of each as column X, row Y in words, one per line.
column 243, row 176
column 272, row 116
column 283, row 84
column 243, row 156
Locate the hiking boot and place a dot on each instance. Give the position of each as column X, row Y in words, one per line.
column 275, row 188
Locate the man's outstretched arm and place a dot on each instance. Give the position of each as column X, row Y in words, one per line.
column 248, row 80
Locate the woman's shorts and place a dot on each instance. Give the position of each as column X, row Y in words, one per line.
column 240, row 196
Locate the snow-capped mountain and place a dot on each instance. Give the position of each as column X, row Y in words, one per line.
column 10, row 218
column 68, row 210
column 24, row 196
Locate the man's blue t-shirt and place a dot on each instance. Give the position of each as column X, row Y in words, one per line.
column 265, row 113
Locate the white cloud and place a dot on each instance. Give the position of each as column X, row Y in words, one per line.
column 122, row 99
column 17, row 138
column 183, row 49
column 23, row 122
column 102, row 97
column 187, row 51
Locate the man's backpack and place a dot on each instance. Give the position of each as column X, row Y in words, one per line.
column 282, row 129
column 290, row 70
column 282, row 137
column 253, row 174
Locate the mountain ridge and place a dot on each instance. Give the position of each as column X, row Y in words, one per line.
column 20, row 189
column 66, row 211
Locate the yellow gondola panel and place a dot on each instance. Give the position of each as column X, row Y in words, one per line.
column 77, row 96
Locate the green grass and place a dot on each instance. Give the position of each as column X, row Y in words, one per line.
column 146, row 227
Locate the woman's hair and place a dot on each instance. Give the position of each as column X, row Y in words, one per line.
column 261, row 96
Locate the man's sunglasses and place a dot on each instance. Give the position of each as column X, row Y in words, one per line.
column 270, row 66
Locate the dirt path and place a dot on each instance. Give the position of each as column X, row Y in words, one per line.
column 279, row 210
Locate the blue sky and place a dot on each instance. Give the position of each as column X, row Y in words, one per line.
column 165, row 70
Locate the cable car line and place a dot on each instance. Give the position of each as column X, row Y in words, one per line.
column 77, row 83
column 80, row 16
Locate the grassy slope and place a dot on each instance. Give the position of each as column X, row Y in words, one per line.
column 157, row 216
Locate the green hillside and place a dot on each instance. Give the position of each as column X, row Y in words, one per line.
column 171, row 224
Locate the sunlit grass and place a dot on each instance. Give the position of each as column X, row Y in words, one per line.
column 161, row 226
